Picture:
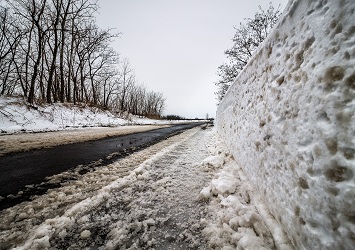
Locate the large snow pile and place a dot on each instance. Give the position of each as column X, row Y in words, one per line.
column 237, row 218
column 289, row 121
column 16, row 115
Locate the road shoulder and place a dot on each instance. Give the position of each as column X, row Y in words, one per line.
column 29, row 141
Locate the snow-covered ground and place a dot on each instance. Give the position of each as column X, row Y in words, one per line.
column 185, row 192
column 16, row 115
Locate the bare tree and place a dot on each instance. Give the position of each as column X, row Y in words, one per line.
column 53, row 50
column 36, row 17
column 110, row 88
column 248, row 37
column 154, row 104
column 10, row 38
column 55, row 19
column 137, row 100
column 127, row 82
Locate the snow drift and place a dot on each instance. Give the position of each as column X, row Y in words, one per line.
column 289, row 121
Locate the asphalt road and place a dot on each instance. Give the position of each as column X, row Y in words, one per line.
column 32, row 167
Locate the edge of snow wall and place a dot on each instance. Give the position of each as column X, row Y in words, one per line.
column 289, row 121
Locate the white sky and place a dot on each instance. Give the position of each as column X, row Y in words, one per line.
column 176, row 46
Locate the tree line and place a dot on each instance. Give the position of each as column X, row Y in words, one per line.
column 54, row 51
column 247, row 38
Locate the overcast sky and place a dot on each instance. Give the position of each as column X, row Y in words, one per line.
column 176, row 46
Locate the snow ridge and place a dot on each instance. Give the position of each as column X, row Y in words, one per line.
column 237, row 217
column 289, row 120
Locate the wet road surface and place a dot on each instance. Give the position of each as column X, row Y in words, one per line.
column 32, row 167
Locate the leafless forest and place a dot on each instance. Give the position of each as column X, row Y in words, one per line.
column 54, row 51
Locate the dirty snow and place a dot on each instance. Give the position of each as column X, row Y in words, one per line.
column 168, row 196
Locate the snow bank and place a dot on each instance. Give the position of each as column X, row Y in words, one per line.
column 289, row 121
column 237, row 218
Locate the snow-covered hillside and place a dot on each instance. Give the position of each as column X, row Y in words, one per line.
column 289, row 121
column 17, row 116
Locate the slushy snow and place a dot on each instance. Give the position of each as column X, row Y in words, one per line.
column 177, row 194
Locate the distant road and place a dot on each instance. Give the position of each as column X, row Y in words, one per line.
column 32, row 167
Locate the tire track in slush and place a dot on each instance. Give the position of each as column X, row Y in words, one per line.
column 24, row 174
column 159, row 210
column 18, row 223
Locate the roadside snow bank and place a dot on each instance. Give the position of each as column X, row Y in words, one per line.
column 237, row 217
column 289, row 121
